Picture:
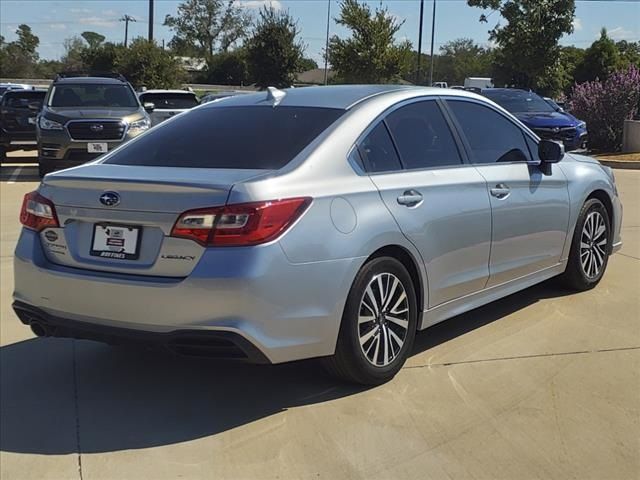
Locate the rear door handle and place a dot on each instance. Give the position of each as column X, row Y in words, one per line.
column 410, row 198
column 500, row 191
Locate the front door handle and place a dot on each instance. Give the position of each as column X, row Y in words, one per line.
column 500, row 191
column 410, row 198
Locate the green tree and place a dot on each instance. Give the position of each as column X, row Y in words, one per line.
column 371, row 54
column 229, row 68
column 207, row 26
column 307, row 64
column 20, row 57
column 73, row 58
column 629, row 53
column 274, row 51
column 570, row 58
column 528, row 51
column 93, row 39
column 462, row 58
column 600, row 60
column 146, row 64
column 104, row 58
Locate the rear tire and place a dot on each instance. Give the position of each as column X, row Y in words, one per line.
column 590, row 247
column 378, row 324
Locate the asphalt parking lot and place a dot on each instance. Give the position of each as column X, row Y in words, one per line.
column 544, row 384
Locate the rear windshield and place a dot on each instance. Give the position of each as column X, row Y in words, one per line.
column 23, row 99
column 258, row 137
column 170, row 100
column 93, row 95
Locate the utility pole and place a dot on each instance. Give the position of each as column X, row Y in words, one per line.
column 126, row 19
column 326, row 48
column 433, row 36
column 420, row 43
column 151, row 20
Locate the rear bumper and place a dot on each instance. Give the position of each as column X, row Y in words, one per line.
column 226, row 345
column 287, row 311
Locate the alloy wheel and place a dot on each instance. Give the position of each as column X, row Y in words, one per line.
column 383, row 319
column 593, row 244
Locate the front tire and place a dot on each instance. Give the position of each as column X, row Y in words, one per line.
column 378, row 324
column 590, row 247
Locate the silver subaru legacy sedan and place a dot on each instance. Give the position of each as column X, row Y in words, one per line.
column 328, row 222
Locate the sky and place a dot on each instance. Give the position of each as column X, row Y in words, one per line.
column 55, row 20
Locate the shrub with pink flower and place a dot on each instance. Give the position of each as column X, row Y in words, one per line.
column 606, row 105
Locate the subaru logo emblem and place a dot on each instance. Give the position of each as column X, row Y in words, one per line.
column 96, row 127
column 110, row 199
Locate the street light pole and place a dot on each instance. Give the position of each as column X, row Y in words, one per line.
column 151, row 20
column 420, row 43
column 433, row 35
column 126, row 19
column 326, row 47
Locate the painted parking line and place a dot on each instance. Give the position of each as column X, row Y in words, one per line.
column 15, row 175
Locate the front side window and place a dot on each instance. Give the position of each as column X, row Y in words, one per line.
column 378, row 152
column 252, row 137
column 92, row 95
column 170, row 101
column 422, row 136
column 491, row 136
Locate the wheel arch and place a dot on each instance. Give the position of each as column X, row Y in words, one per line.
column 606, row 201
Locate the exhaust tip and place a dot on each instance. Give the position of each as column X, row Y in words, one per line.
column 38, row 329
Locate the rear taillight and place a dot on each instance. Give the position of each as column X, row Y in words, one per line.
column 240, row 225
column 38, row 212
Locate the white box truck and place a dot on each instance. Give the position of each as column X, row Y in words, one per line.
column 478, row 82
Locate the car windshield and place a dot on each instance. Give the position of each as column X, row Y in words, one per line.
column 170, row 100
column 93, row 95
column 518, row 101
column 256, row 137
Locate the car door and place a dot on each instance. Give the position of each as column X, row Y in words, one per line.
column 530, row 209
column 440, row 203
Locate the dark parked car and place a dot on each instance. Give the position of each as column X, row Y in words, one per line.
column 547, row 121
column 18, row 111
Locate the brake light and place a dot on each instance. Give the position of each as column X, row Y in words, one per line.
column 38, row 212
column 243, row 224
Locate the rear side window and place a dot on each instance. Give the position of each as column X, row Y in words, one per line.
column 491, row 136
column 258, row 137
column 422, row 136
column 378, row 152
column 170, row 100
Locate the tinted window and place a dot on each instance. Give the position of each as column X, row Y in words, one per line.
column 170, row 100
column 229, row 137
column 23, row 99
column 518, row 101
column 93, row 95
column 378, row 152
column 422, row 136
column 491, row 136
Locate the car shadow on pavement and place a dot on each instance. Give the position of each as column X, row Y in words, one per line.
column 60, row 396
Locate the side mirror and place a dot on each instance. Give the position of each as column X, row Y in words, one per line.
column 550, row 151
column 149, row 107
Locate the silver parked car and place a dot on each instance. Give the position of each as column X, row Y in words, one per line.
column 326, row 222
column 164, row 104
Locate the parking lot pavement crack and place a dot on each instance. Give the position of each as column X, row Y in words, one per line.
column 628, row 256
column 76, row 407
column 522, row 357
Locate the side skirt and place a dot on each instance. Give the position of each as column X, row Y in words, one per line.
column 469, row 302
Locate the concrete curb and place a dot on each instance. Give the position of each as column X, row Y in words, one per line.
column 626, row 165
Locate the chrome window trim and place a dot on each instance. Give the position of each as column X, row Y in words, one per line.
column 98, row 120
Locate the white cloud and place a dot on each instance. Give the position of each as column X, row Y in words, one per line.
column 577, row 24
column 57, row 26
column 79, row 10
column 97, row 22
column 256, row 4
column 620, row 33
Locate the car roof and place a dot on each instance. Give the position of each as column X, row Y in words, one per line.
column 158, row 90
column 21, row 91
column 505, row 90
column 333, row 96
column 91, row 80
